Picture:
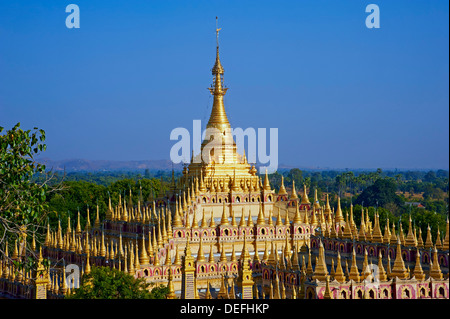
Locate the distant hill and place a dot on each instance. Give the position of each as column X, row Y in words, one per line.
column 78, row 165
column 84, row 165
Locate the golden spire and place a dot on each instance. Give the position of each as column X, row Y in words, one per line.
column 286, row 219
column 223, row 256
column 194, row 220
column 314, row 217
column 211, row 255
column 137, row 265
column 143, row 258
column 131, row 268
column 332, row 269
column 399, row 270
column 338, row 216
column 212, row 224
column 282, row 190
column 402, row 235
column 224, row 220
column 309, row 269
column 305, row 199
column 261, row 220
column 279, row 222
column 269, row 219
column 435, row 271
column 249, row 219
column 266, row 182
column 418, row 271
column 339, row 273
column 177, row 219
column 362, row 228
column 382, row 276
column 218, row 118
column 266, row 252
column 347, row 234
column 327, row 294
column 102, row 246
column 297, row 217
column 306, row 220
column 171, row 294
column 233, row 220
column 48, row 236
column 295, row 262
column 204, row 223
column 60, row 239
column 365, row 271
column 438, row 242
column 354, row 273
column 429, row 241
column 420, row 243
column 177, row 260
column 387, row 232
column 294, row 192
column 316, row 200
column 321, row 272
column 410, row 239
column 200, row 254
column 377, row 236
column 97, row 219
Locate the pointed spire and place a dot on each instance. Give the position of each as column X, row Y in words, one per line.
column 143, row 258
column 429, row 241
column 224, row 220
column 418, row 271
column 233, row 220
column 410, row 239
column 211, row 255
column 339, row 217
column 294, row 192
column 177, row 218
column 218, row 117
column 365, row 271
column 261, row 220
column 327, row 293
column 339, row 273
column 200, row 253
column 297, row 217
column 321, row 272
column 242, row 222
column 435, row 271
column 212, row 224
column 354, row 272
column 204, row 222
column 399, row 269
column 282, row 190
column 267, row 182
column 249, row 219
column 305, row 199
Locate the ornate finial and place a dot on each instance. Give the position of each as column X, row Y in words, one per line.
column 217, row 31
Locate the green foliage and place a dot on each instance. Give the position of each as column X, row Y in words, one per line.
column 21, row 200
column 110, row 283
column 80, row 195
column 381, row 193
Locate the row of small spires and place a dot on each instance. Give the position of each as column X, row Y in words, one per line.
column 70, row 242
column 147, row 252
column 289, row 261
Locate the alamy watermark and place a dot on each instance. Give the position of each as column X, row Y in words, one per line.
column 218, row 145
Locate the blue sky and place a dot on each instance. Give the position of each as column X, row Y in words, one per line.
column 340, row 94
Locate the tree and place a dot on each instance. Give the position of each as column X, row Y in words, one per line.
column 295, row 175
column 23, row 205
column 110, row 283
column 380, row 194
